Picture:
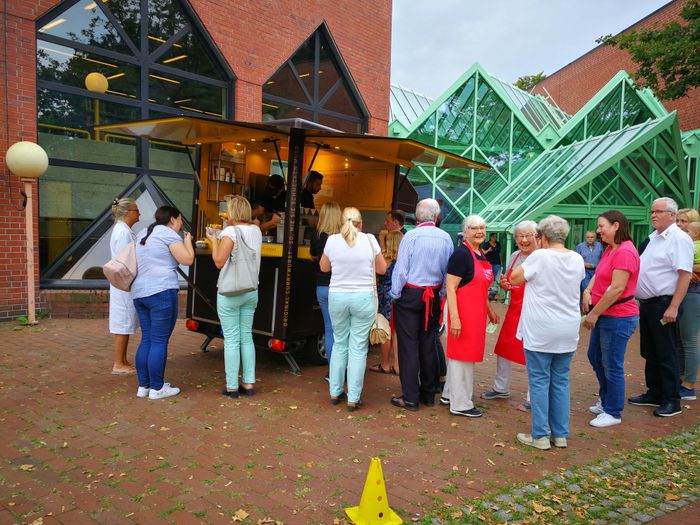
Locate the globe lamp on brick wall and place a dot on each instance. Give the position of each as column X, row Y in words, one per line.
column 28, row 161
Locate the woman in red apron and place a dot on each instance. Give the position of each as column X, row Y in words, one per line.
column 509, row 349
column 469, row 276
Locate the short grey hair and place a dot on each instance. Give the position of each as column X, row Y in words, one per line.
column 554, row 228
column 472, row 221
column 525, row 226
column 427, row 210
column 671, row 205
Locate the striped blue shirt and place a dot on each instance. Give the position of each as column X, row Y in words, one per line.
column 422, row 259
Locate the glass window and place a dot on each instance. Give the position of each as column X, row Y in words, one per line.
column 179, row 191
column 170, row 90
column 340, row 123
column 85, row 23
column 167, row 156
column 189, row 54
column 165, row 19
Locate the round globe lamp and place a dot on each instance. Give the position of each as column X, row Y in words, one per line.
column 28, row 161
column 96, row 82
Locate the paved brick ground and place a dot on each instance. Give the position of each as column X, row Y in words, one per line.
column 77, row 446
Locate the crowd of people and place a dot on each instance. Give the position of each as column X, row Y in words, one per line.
column 423, row 284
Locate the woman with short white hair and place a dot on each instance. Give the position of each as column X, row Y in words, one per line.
column 509, row 349
column 549, row 328
column 469, row 276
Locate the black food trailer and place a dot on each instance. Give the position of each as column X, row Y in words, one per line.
column 237, row 158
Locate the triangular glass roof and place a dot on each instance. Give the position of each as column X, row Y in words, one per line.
column 406, row 105
column 626, row 169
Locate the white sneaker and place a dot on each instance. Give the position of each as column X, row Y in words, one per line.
column 605, row 420
column 559, row 442
column 142, row 391
column 166, row 391
column 597, row 409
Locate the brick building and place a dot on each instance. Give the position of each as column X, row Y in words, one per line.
column 327, row 61
column 576, row 83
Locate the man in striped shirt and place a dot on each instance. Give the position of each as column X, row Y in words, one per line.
column 417, row 284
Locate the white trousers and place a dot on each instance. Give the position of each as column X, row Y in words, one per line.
column 459, row 385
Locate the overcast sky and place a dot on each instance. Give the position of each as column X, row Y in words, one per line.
column 435, row 41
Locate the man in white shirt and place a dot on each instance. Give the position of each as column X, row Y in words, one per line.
column 665, row 269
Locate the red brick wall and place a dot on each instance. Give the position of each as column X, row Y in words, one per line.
column 575, row 84
column 255, row 37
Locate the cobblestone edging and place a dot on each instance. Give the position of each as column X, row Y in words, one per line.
column 630, row 487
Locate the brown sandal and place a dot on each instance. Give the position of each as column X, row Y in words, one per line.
column 378, row 368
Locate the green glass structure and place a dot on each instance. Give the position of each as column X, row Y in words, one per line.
column 621, row 150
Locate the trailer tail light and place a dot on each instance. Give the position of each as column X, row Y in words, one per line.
column 192, row 325
column 276, row 345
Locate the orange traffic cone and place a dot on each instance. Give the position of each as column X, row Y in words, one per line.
column 374, row 507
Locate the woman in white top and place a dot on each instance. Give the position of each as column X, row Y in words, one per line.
column 236, row 312
column 354, row 258
column 549, row 328
column 123, row 320
column 159, row 251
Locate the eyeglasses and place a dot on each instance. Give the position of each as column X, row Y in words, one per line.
column 477, row 227
column 528, row 236
column 656, row 212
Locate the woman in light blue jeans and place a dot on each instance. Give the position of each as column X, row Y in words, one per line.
column 354, row 259
column 236, row 311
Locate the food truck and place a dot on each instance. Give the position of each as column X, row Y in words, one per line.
column 237, row 158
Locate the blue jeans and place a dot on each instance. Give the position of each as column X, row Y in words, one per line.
column 689, row 323
column 157, row 315
column 352, row 315
column 606, row 353
column 236, row 315
column 322, row 298
column 496, row 271
column 548, row 376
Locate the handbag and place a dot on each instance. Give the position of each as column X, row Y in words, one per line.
column 240, row 273
column 121, row 270
column 380, row 332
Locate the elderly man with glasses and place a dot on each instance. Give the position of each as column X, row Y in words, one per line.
column 665, row 269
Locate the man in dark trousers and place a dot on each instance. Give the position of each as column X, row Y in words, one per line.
column 664, row 273
column 417, row 284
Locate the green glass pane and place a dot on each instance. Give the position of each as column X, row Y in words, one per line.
column 421, row 183
column 425, row 133
column 285, row 84
column 165, row 19
column 455, row 184
column 179, row 192
column 167, row 156
column 69, row 200
column 85, row 23
column 70, row 67
column 65, row 126
column 128, row 13
column 455, row 116
column 191, row 55
column 606, row 115
column 170, row 90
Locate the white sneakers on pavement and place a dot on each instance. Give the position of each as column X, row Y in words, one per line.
column 605, row 420
column 166, row 391
column 541, row 443
column 142, row 391
column 596, row 409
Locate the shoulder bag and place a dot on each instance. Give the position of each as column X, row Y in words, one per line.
column 240, row 273
column 121, row 270
column 380, row 332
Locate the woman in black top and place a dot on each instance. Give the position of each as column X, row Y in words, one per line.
column 329, row 222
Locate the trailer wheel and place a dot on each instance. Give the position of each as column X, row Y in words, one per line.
column 314, row 351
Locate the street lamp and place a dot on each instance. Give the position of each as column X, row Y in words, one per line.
column 96, row 83
column 28, row 161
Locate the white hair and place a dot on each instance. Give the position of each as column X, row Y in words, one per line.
column 671, row 205
column 525, row 226
column 554, row 228
column 472, row 221
column 427, row 210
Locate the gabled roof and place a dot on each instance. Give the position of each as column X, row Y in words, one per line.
column 406, row 105
column 540, row 118
column 640, row 162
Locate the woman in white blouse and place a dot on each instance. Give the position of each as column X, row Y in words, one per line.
column 123, row 320
column 354, row 258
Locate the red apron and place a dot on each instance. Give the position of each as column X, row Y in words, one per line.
column 471, row 304
column 508, row 346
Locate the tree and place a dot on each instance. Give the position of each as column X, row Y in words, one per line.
column 669, row 57
column 527, row 82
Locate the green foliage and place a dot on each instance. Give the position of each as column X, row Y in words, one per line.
column 527, row 82
column 668, row 58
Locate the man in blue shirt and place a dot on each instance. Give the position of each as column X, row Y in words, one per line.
column 591, row 251
column 417, row 283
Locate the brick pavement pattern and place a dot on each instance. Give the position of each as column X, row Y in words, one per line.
column 78, row 447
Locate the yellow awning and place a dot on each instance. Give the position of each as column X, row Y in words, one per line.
column 192, row 130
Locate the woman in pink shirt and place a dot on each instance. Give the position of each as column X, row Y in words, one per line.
column 613, row 315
